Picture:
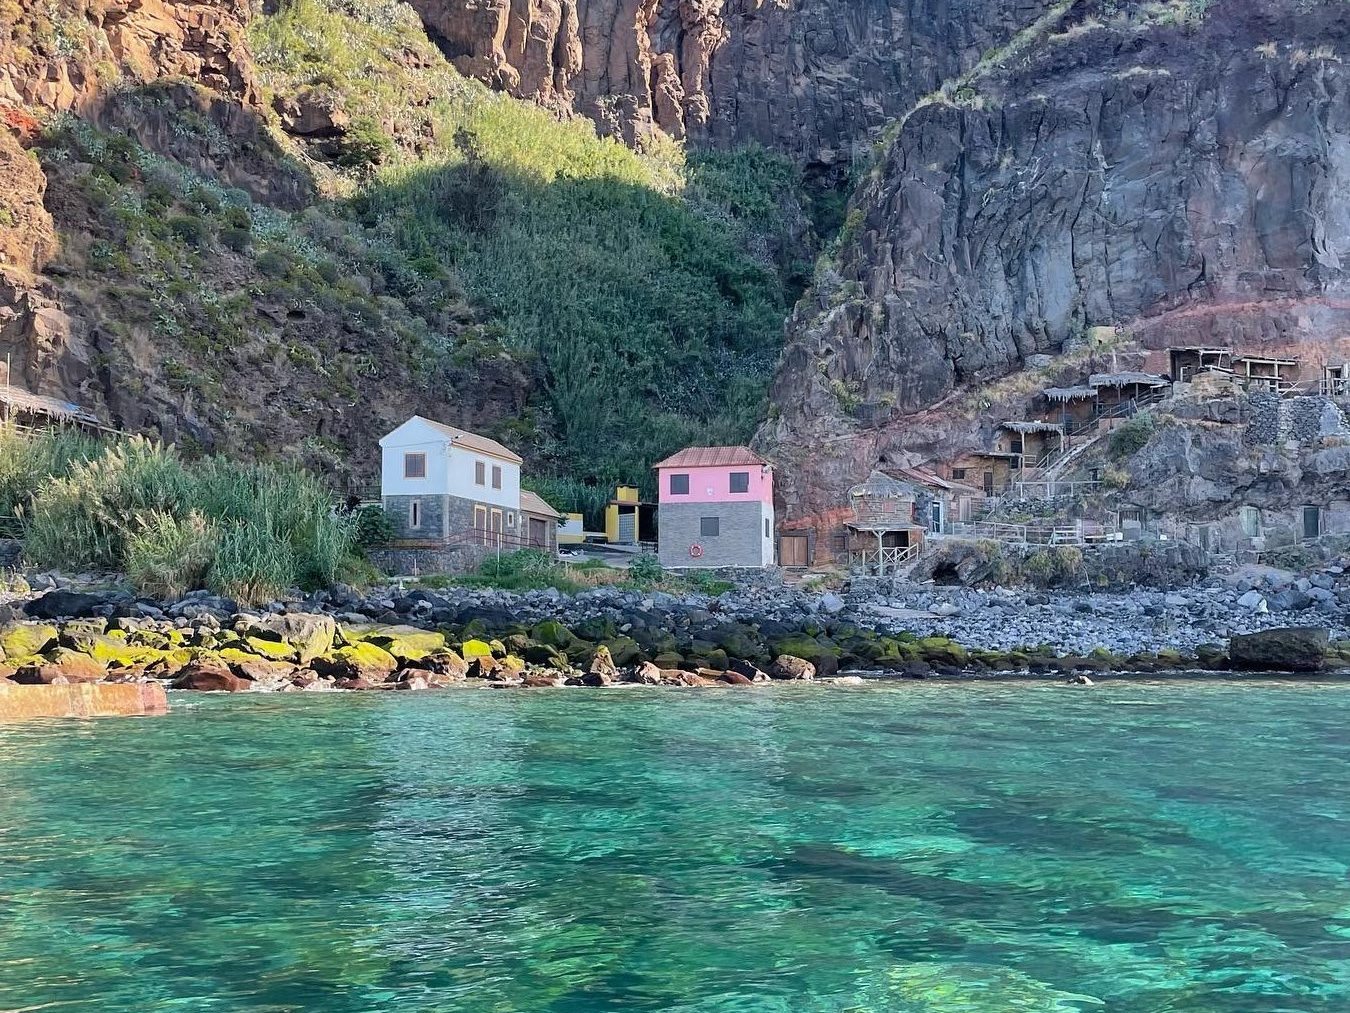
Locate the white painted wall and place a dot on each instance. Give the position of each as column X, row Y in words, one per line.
column 450, row 468
column 769, row 544
column 416, row 436
column 462, row 484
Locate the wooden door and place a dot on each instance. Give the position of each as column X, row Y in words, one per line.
column 497, row 526
column 792, row 550
column 480, row 522
column 538, row 533
column 1312, row 522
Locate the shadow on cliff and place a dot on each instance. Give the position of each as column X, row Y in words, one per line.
column 651, row 323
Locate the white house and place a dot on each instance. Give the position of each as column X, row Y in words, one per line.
column 442, row 484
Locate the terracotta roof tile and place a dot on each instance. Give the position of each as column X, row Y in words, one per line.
column 712, row 457
column 464, row 438
column 533, row 503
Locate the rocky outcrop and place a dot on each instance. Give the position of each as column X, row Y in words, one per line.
column 1180, row 177
column 21, row 703
column 65, row 55
column 812, row 77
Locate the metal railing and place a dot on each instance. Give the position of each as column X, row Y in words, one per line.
column 1033, row 534
column 1052, row 489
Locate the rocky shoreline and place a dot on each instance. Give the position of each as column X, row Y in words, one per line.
column 413, row 639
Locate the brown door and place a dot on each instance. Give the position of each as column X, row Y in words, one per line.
column 496, row 525
column 792, row 550
column 538, row 534
column 480, row 522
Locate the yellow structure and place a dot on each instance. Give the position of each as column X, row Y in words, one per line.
column 628, row 520
column 571, row 529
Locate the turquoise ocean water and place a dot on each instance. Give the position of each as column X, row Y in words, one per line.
column 907, row 848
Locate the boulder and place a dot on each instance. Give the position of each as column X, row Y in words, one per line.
column 603, row 665
column 75, row 604
column 791, row 668
column 482, row 667
column 61, row 668
column 356, row 661
column 23, row 640
column 748, row 670
column 263, row 672
column 544, row 680
column 353, row 684
column 210, row 677
column 646, row 674
column 310, row 634
column 312, row 112
column 410, row 679
column 443, row 667
column 597, row 679
column 407, row 643
column 733, row 679
column 1291, row 649
column 1253, row 601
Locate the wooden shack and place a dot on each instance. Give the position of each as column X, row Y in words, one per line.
column 883, row 532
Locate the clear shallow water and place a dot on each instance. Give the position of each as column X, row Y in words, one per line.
column 903, row 848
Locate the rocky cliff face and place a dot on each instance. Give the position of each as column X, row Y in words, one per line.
column 141, row 191
column 811, row 77
column 1171, row 175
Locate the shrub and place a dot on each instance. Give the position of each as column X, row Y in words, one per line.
column 364, row 144
column 1132, row 436
column 372, row 526
column 645, row 570
column 190, row 229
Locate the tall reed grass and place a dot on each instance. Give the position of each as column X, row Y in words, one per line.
column 247, row 531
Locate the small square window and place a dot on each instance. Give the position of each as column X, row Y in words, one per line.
column 415, row 514
column 679, row 485
column 414, row 465
column 510, row 520
column 958, row 474
column 479, row 473
column 710, row 527
column 496, row 476
column 740, row 481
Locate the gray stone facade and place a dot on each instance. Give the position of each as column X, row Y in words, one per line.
column 434, row 514
column 740, row 541
column 443, row 517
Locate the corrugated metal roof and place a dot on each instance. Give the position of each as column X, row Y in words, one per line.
column 533, row 503
column 712, row 457
column 464, row 438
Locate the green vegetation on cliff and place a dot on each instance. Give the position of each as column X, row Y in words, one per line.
column 649, row 289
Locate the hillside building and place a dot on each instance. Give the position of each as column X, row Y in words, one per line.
column 716, row 508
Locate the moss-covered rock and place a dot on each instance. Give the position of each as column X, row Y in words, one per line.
column 23, row 640
column 624, row 651
column 668, row 660
column 551, row 633
column 943, row 651
column 309, row 634
column 274, row 650
column 407, row 643
column 362, row 660
column 471, row 649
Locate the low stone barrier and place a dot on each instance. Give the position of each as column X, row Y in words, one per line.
column 81, row 700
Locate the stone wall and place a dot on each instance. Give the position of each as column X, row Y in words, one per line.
column 740, row 540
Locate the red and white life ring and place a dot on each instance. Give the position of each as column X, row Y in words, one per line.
column 696, row 550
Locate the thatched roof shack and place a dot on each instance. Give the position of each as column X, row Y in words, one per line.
column 882, row 503
column 1121, row 380
column 1033, row 426
column 1066, row 394
column 24, row 406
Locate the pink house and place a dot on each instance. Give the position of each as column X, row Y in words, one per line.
column 716, row 508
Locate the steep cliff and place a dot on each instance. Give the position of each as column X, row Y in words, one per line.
column 280, row 228
column 809, row 77
column 1155, row 169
